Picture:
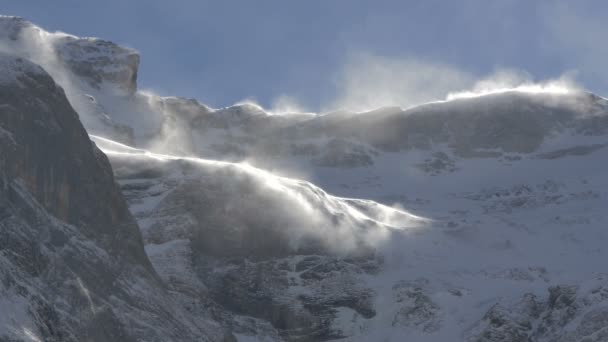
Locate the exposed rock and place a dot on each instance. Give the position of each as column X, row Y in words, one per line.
column 99, row 61
column 267, row 290
column 342, row 153
column 528, row 196
column 74, row 184
column 439, row 162
column 416, row 309
column 509, row 324
column 567, row 314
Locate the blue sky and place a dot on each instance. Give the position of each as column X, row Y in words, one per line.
column 315, row 52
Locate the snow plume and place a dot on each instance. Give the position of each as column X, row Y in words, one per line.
column 281, row 105
column 369, row 81
column 286, row 104
column 561, row 92
column 515, row 80
column 293, row 208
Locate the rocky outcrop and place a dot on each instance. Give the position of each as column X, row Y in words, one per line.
column 299, row 296
column 342, row 153
column 100, row 61
column 416, row 309
column 56, row 162
column 567, row 313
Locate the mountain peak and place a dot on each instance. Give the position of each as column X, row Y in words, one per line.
column 99, row 63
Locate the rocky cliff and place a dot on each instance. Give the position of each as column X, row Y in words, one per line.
column 73, row 262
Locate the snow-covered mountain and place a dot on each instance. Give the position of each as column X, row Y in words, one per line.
column 480, row 218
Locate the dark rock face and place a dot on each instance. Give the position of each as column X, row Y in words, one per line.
column 57, row 163
column 73, row 263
